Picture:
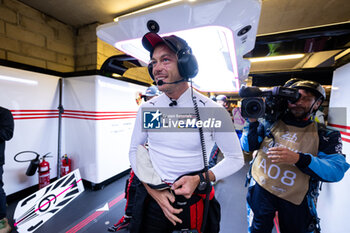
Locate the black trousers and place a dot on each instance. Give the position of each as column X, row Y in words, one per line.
column 130, row 193
column 2, row 195
column 292, row 218
column 154, row 220
column 148, row 217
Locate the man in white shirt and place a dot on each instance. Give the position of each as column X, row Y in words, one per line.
column 174, row 155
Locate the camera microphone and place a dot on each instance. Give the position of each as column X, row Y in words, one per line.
column 160, row 82
column 250, row 92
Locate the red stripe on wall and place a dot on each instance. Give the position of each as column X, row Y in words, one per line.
column 74, row 111
column 33, row 114
column 131, row 112
column 89, row 115
column 345, row 140
column 345, row 133
column 71, row 117
column 342, row 132
column 34, row 110
column 339, row 126
column 83, row 115
column 30, row 118
column 97, row 119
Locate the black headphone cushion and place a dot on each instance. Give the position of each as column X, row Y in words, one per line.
column 150, row 70
column 187, row 65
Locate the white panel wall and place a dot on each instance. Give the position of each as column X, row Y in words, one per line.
column 96, row 127
column 33, row 100
column 99, row 118
column 334, row 201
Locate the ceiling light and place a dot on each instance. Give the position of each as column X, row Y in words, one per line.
column 276, row 58
column 327, row 86
column 116, row 19
column 342, row 54
column 115, row 75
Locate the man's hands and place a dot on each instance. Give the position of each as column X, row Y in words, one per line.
column 282, row 155
column 186, row 185
column 164, row 198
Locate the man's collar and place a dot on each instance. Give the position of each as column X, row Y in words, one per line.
column 182, row 95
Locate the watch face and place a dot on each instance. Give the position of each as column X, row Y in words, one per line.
column 202, row 185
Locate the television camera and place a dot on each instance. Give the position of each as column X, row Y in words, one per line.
column 270, row 104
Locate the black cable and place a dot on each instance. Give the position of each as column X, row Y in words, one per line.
column 22, row 152
column 205, row 161
column 60, row 112
column 28, row 151
column 204, row 152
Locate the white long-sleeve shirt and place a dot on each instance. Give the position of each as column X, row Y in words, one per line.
column 177, row 153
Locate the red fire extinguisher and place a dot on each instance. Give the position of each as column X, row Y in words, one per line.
column 44, row 172
column 66, row 166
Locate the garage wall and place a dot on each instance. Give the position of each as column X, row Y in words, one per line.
column 91, row 52
column 30, row 37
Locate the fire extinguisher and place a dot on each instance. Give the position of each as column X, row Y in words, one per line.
column 44, row 167
column 44, row 172
column 66, row 166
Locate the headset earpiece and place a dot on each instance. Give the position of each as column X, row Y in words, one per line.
column 187, row 63
column 150, row 70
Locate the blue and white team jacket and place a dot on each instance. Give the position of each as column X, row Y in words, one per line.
column 329, row 165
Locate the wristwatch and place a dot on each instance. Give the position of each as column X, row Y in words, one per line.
column 202, row 182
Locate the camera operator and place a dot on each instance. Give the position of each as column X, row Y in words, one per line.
column 294, row 155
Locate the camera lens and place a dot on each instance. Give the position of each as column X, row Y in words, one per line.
column 153, row 26
column 253, row 107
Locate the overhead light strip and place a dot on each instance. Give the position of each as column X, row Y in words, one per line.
column 342, row 54
column 276, row 58
column 116, row 19
column 302, row 29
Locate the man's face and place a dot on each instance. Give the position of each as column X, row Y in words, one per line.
column 165, row 68
column 301, row 108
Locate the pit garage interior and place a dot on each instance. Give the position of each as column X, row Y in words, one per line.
column 317, row 29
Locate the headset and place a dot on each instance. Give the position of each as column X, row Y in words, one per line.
column 186, row 61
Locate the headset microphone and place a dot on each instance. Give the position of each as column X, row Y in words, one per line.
column 160, row 82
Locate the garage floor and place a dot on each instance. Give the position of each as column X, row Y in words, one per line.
column 94, row 211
